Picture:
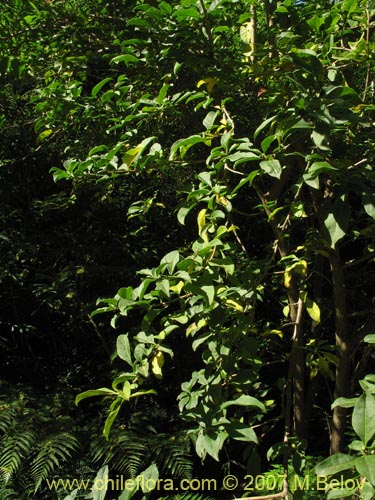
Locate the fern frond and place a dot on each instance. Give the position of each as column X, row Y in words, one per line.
column 187, row 496
column 130, row 454
column 126, row 452
column 7, row 417
column 54, row 450
column 172, row 454
column 15, row 447
column 7, row 492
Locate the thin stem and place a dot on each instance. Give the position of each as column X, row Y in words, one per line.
column 368, row 73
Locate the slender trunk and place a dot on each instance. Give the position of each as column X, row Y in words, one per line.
column 297, row 361
column 295, row 381
column 343, row 370
column 253, row 31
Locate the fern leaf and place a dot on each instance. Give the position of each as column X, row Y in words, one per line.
column 7, row 492
column 126, row 452
column 188, row 496
column 7, row 418
column 53, row 451
column 173, row 456
column 14, row 449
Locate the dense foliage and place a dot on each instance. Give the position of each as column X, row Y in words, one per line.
column 187, row 229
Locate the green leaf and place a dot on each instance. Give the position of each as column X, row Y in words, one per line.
column 368, row 384
column 111, row 418
column 206, row 178
column 367, row 492
column 98, row 87
column 163, row 92
column 172, row 259
column 247, row 180
column 266, row 143
column 95, row 392
column 366, row 467
column 334, row 464
column 334, row 230
column 102, row 480
column 245, row 400
column 311, row 177
column 241, row 432
column 370, row 338
column 123, row 348
column 150, row 473
column 340, row 493
column 125, row 58
column 357, row 445
column 363, row 418
column 271, row 167
column 312, row 307
column 183, row 145
column 206, row 444
column 209, row 293
column 320, row 140
column 44, row 135
column 368, row 200
column 344, row 402
column 209, row 120
column 163, row 287
column 142, row 289
column 72, row 495
column 337, row 221
column 187, row 13
column 263, row 125
column 242, row 157
column 128, row 493
column 182, row 213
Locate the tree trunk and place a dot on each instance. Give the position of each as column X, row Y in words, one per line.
column 295, row 382
column 343, row 370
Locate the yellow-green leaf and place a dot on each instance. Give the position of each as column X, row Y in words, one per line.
column 177, row 288
column 211, row 82
column 279, row 333
column 312, row 307
column 157, row 364
column 288, row 279
column 201, row 220
column 234, row 305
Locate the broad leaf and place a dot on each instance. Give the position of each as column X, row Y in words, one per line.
column 367, row 492
column 337, row 221
column 271, row 167
column 340, row 493
column 110, row 419
column 245, row 400
column 98, row 87
column 72, row 495
column 363, row 419
column 335, row 463
column 99, row 493
column 368, row 383
column 123, row 348
column 209, row 293
column 366, row 467
column 241, row 432
column 344, row 402
column 312, row 307
column 172, row 259
column 183, row 145
column 94, row 392
column 206, row 444
column 368, row 200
